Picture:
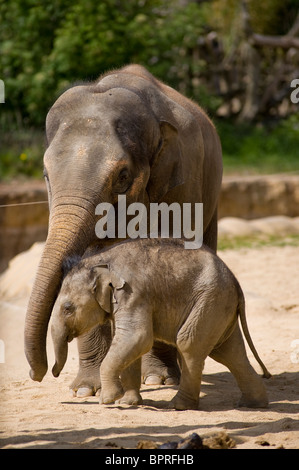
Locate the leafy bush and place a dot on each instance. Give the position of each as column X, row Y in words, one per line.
column 46, row 46
column 246, row 149
column 260, row 148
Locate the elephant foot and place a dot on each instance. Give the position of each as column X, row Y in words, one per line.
column 131, row 397
column 160, row 366
column 86, row 384
column 182, row 403
column 111, row 394
column 92, row 348
column 160, row 380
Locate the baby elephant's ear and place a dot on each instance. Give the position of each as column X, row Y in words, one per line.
column 105, row 282
column 117, row 281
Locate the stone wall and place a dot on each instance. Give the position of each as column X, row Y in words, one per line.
column 260, row 196
column 243, row 197
column 21, row 225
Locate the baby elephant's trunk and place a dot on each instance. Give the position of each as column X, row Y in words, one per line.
column 241, row 313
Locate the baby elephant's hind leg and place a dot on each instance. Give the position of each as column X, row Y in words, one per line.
column 187, row 397
column 193, row 353
column 232, row 354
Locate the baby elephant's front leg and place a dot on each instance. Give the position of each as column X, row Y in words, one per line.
column 131, row 382
column 127, row 346
column 111, row 389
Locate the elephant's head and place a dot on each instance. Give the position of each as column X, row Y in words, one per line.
column 100, row 144
column 86, row 299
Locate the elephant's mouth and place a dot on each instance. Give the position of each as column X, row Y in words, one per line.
column 70, row 337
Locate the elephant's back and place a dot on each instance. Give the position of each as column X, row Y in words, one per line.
column 164, row 258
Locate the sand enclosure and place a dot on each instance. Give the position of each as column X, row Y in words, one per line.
column 44, row 415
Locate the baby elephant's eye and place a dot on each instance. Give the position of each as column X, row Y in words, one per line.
column 68, row 308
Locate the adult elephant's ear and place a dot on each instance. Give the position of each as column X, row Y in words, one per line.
column 166, row 165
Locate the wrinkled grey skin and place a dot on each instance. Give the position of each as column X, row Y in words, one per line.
column 156, row 290
column 127, row 134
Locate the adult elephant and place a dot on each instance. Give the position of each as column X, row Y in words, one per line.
column 130, row 134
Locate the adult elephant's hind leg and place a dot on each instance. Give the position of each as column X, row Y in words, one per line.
column 160, row 365
column 232, row 354
column 92, row 348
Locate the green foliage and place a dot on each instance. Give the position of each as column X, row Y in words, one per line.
column 260, row 148
column 246, row 149
column 273, row 17
column 22, row 155
column 46, row 46
column 240, row 243
column 26, row 40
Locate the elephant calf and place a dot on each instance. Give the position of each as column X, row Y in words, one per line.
column 156, row 290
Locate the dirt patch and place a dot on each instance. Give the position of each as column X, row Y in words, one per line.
column 44, row 415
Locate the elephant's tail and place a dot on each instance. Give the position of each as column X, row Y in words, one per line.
column 242, row 315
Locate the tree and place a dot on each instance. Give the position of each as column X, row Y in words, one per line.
column 208, row 50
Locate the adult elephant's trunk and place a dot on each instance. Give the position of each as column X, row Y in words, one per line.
column 71, row 229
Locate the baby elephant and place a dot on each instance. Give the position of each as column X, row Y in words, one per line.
column 157, row 290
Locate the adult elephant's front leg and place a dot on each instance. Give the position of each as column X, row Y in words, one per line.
column 160, row 365
column 92, row 348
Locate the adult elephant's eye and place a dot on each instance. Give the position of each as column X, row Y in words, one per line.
column 123, row 176
column 46, row 177
column 123, row 181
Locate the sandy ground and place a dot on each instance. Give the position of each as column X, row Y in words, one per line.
column 44, row 415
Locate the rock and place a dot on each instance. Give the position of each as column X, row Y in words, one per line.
column 263, row 443
column 147, row 445
column 191, row 442
column 276, row 225
column 220, row 440
column 236, row 227
column 259, row 196
column 24, row 215
column 168, row 445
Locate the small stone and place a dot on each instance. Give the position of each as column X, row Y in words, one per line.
column 219, row 441
column 146, row 445
column 191, row 442
column 111, row 444
column 263, row 443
